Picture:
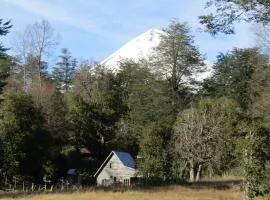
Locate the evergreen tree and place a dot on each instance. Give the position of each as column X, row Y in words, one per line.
column 155, row 157
column 253, row 142
column 4, row 68
column 177, row 59
column 233, row 76
column 145, row 101
column 4, row 29
column 65, row 70
column 93, row 112
column 243, row 75
column 32, row 73
column 24, row 139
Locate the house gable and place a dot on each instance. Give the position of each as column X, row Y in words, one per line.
column 115, row 169
column 123, row 157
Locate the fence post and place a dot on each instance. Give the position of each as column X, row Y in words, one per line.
column 15, row 183
column 62, row 184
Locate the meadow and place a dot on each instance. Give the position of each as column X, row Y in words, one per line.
column 160, row 193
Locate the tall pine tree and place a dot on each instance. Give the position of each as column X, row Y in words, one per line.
column 65, row 70
column 4, row 69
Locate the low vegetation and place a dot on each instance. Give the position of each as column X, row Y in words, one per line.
column 163, row 193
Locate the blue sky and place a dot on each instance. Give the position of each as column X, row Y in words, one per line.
column 93, row 29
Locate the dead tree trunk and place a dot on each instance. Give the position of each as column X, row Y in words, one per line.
column 198, row 175
column 191, row 171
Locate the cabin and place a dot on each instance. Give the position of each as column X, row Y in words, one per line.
column 118, row 168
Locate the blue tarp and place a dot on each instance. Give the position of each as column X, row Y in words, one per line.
column 71, row 172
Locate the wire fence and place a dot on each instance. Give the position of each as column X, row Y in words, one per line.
column 18, row 185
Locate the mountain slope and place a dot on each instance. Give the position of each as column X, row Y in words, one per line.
column 139, row 47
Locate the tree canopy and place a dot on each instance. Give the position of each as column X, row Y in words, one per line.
column 4, row 29
column 229, row 12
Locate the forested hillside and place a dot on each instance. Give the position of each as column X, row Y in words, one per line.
column 178, row 128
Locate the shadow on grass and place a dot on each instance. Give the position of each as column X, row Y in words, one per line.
column 216, row 184
column 205, row 184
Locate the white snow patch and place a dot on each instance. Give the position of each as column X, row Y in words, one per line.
column 138, row 48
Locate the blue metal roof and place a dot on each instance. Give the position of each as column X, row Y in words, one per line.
column 126, row 159
column 71, row 172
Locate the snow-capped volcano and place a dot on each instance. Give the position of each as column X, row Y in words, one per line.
column 143, row 46
column 138, row 48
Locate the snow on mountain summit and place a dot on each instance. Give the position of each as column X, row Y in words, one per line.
column 142, row 47
column 139, row 47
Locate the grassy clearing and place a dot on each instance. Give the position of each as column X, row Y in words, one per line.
column 164, row 193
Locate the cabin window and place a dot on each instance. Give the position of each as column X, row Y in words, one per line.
column 110, row 165
column 126, row 182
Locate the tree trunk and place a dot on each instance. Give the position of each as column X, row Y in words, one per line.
column 181, row 170
column 247, row 163
column 246, row 196
column 24, row 78
column 246, row 182
column 39, row 73
column 191, row 172
column 198, row 175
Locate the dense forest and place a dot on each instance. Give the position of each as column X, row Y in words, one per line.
column 177, row 127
